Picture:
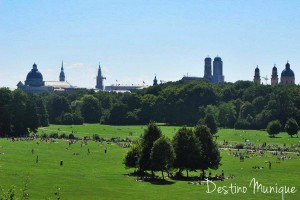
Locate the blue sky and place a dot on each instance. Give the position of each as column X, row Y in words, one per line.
column 136, row 39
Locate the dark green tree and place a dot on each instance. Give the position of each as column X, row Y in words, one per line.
column 209, row 154
column 132, row 156
column 18, row 113
column 162, row 155
column 187, row 150
column 227, row 115
column 273, row 128
column 56, row 105
column 42, row 113
column 151, row 134
column 291, row 127
column 210, row 122
column 5, row 115
column 32, row 118
column 90, row 109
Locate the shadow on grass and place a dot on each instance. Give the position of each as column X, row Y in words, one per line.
column 160, row 182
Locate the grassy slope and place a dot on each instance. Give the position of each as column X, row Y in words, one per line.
column 100, row 175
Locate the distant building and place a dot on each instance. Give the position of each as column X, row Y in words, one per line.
column 62, row 73
column 217, row 70
column 34, row 83
column 257, row 76
column 191, row 78
column 207, row 69
column 287, row 76
column 217, row 75
column 99, row 84
column 155, row 81
column 274, row 77
column 124, row 88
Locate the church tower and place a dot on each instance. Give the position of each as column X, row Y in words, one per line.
column 217, row 70
column 257, row 76
column 155, row 81
column 100, row 78
column 274, row 79
column 207, row 69
column 62, row 73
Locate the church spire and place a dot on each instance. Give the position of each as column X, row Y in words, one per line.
column 155, row 81
column 62, row 73
column 99, row 83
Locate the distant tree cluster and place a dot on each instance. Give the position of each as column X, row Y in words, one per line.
column 190, row 149
column 240, row 105
column 20, row 113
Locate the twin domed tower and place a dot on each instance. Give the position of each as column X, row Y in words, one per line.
column 287, row 76
column 217, row 75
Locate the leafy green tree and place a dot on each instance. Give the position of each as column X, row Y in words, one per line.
column 187, row 150
column 273, row 128
column 247, row 109
column 291, row 127
column 227, row 115
column 77, row 118
column 32, row 119
column 56, row 105
column 210, row 122
column 42, row 112
column 209, row 154
column 18, row 113
column 151, row 134
column 259, row 103
column 118, row 114
column 90, row 109
column 162, row 155
column 132, row 156
column 67, row 119
column 5, row 115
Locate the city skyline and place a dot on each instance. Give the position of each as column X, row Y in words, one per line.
column 135, row 40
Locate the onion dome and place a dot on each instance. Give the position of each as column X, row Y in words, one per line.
column 287, row 72
column 34, row 77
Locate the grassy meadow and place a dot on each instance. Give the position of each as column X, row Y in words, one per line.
column 100, row 175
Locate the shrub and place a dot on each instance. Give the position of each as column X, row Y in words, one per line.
column 96, row 137
column 239, row 146
column 71, row 136
column 53, row 135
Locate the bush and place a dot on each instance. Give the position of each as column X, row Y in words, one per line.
column 96, row 137
column 239, row 146
column 44, row 135
column 71, row 136
column 62, row 136
column 67, row 119
column 242, row 124
column 53, row 135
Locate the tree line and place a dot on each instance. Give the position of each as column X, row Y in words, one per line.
column 189, row 150
column 240, row 105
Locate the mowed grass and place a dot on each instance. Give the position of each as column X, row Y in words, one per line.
column 102, row 176
column 107, row 131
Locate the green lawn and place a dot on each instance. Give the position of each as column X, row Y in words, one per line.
column 101, row 176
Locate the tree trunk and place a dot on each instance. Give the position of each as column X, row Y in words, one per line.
column 162, row 173
column 152, row 174
column 187, row 173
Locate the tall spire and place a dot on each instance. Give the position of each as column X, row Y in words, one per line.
column 155, row 81
column 99, row 83
column 62, row 73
